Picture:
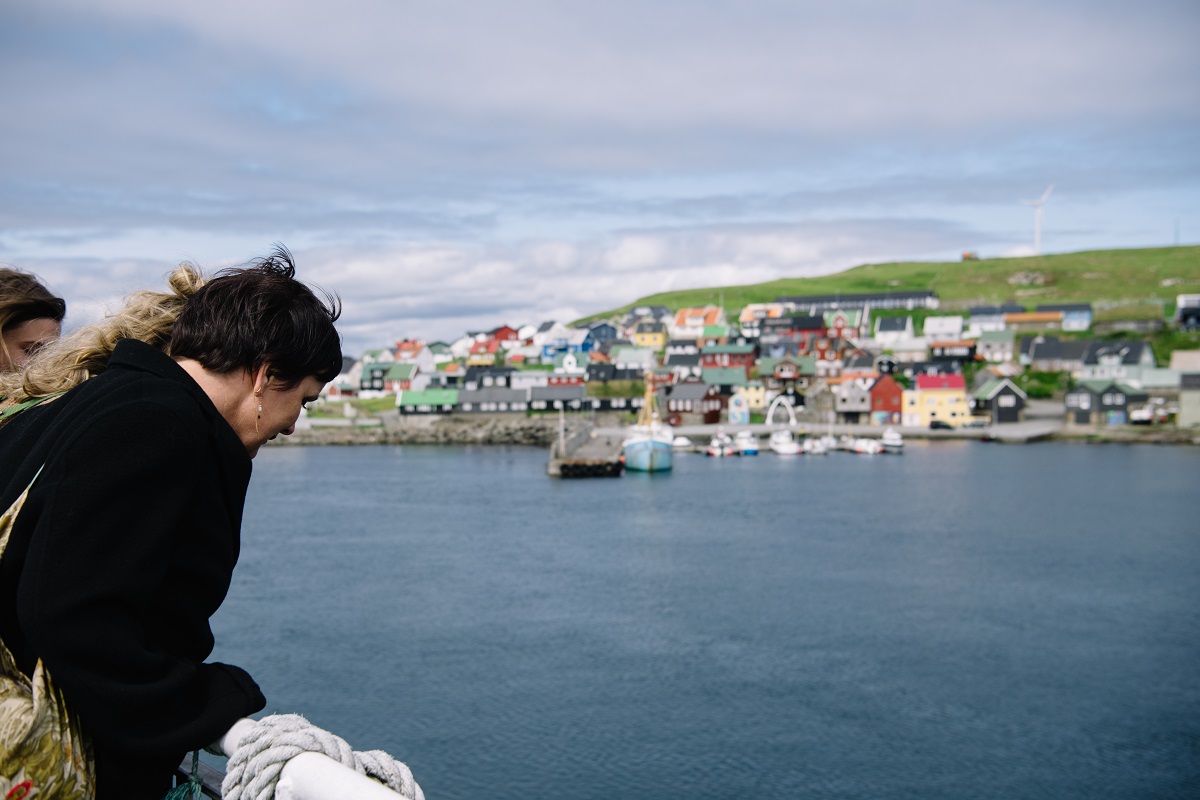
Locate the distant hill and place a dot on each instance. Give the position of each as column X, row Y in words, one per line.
column 1150, row 277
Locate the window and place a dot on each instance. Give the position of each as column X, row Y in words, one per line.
column 1007, row 401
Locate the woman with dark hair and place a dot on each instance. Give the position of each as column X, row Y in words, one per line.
column 29, row 317
column 128, row 535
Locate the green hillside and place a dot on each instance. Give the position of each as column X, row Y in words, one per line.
column 1106, row 278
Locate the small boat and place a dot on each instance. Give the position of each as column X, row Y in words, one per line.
column 783, row 443
column 682, row 443
column 648, row 447
column 892, row 441
column 867, row 447
column 720, row 444
column 815, row 447
column 746, row 443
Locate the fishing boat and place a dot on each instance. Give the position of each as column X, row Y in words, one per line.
column 892, row 441
column 649, row 444
column 783, row 443
column 746, row 443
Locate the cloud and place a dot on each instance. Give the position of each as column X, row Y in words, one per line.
column 463, row 164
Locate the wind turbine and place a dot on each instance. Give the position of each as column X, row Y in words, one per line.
column 1037, row 218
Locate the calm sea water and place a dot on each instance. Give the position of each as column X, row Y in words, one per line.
column 965, row 621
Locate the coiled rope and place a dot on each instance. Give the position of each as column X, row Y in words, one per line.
column 253, row 770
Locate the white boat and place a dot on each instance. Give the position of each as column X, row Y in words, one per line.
column 649, row 445
column 720, row 444
column 783, row 443
column 815, row 447
column 867, row 447
column 746, row 443
column 681, row 443
column 892, row 441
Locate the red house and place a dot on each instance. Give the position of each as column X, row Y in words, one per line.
column 886, row 399
column 505, row 333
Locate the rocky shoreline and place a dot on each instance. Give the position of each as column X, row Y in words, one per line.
column 541, row 431
column 456, row 429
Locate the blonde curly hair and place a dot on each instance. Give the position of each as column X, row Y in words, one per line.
column 63, row 364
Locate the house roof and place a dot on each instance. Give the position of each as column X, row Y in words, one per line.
column 805, row 365
column 688, row 390
column 728, row 349
column 724, row 376
column 682, row 360
column 428, row 397
column 1130, row 352
column 1102, row 386
column 892, row 324
column 853, row 316
column 989, row 390
column 1028, row 317
column 400, row 372
column 998, row 337
column 935, row 382
column 1052, row 348
column 709, row 315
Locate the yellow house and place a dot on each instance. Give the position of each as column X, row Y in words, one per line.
column 755, row 393
column 650, row 335
column 936, row 397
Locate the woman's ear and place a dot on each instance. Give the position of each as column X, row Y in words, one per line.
column 261, row 379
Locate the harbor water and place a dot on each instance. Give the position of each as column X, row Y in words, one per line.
column 966, row 620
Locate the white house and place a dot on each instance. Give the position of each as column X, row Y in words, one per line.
column 943, row 328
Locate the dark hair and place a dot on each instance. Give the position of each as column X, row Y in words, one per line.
column 22, row 298
column 260, row 314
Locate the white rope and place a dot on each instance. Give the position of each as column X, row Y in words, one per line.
column 253, row 769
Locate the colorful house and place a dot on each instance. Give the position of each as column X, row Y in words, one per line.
column 887, row 401
column 1100, row 402
column 430, row 401
column 728, row 356
column 651, row 335
column 1000, row 400
column 936, row 397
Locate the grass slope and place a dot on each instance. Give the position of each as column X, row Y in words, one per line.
column 1102, row 277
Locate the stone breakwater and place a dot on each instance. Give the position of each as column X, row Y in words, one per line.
column 451, row 429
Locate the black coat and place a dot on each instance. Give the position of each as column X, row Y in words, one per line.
column 121, row 554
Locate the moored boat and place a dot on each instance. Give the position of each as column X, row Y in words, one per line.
column 892, row 441
column 866, row 447
column 815, row 447
column 649, row 445
column 720, row 444
column 783, row 443
column 746, row 443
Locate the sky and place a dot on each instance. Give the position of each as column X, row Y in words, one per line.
column 453, row 165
